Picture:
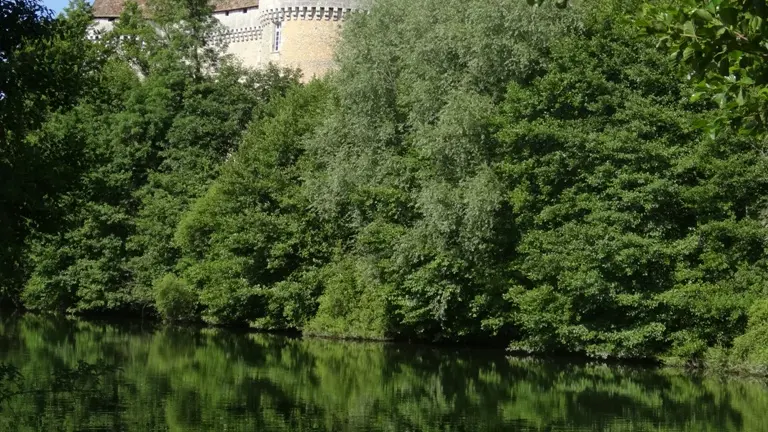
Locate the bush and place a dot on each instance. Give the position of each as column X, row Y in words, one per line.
column 353, row 305
column 174, row 299
column 750, row 350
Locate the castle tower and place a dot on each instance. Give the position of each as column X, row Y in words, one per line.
column 303, row 33
column 290, row 33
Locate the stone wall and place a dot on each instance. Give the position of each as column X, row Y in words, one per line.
column 309, row 45
column 242, row 33
column 309, row 32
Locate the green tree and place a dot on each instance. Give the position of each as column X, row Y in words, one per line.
column 205, row 132
column 180, row 36
column 248, row 244
column 46, row 64
column 152, row 142
column 634, row 242
column 404, row 163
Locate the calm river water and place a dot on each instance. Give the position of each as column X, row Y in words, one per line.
column 212, row 380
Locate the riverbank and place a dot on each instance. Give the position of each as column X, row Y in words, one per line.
column 717, row 362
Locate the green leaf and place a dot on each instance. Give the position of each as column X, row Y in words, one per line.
column 721, row 99
column 740, row 97
column 729, row 16
column 689, row 29
column 688, row 53
column 745, row 80
column 704, row 15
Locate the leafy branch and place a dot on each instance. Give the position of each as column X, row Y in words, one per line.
column 724, row 43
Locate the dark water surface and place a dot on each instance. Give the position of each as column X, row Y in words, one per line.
column 213, row 380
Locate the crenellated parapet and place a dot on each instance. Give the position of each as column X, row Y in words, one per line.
column 288, row 10
column 237, row 35
column 304, row 13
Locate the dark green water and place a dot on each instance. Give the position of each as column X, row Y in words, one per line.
column 212, row 380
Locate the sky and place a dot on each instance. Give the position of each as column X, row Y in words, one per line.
column 56, row 5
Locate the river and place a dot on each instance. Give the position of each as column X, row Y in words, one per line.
column 155, row 378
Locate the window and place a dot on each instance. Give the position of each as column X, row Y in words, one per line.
column 278, row 40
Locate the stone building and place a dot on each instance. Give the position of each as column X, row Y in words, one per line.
column 290, row 33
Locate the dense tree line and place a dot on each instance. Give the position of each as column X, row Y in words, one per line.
column 479, row 171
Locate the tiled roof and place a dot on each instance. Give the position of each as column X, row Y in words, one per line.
column 113, row 8
column 225, row 5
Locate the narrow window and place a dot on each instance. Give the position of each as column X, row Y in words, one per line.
column 245, row 10
column 226, row 13
column 278, row 36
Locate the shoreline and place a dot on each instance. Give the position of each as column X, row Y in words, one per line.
column 701, row 368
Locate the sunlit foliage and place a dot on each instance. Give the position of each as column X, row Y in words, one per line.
column 473, row 171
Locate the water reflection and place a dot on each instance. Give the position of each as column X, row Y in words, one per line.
column 190, row 380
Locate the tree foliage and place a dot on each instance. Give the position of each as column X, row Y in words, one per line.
column 723, row 42
column 151, row 142
column 175, row 299
column 478, row 171
column 45, row 66
column 248, row 243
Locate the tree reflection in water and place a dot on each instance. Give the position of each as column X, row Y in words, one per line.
column 171, row 379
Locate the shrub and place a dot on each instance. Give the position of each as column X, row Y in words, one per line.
column 175, row 299
column 353, row 305
column 750, row 350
